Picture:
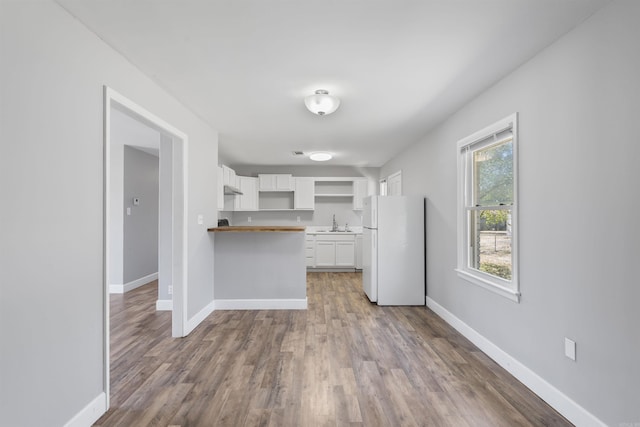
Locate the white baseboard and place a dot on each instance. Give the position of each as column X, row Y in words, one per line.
column 547, row 392
column 120, row 289
column 198, row 318
column 332, row 270
column 164, row 305
column 261, row 304
column 90, row 413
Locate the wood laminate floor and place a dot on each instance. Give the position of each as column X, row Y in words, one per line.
column 342, row 362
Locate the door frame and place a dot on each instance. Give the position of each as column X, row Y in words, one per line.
column 179, row 214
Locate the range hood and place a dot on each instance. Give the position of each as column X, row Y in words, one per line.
column 229, row 190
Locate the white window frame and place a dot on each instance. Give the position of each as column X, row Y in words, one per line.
column 466, row 147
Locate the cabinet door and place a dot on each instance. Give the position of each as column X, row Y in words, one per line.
column 220, row 188
column 359, row 252
column 304, row 194
column 360, row 191
column 284, row 182
column 325, row 254
column 275, row 182
column 345, row 254
column 267, row 182
column 228, row 176
column 310, row 250
column 248, row 201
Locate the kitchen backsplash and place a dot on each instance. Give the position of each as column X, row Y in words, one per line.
column 321, row 216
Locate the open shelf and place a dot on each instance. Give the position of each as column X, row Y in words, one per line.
column 334, row 195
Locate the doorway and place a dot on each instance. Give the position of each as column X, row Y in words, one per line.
column 172, row 236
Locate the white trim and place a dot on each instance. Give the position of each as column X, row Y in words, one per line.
column 129, row 286
column 260, row 304
column 199, row 317
column 106, row 260
column 510, row 288
column 180, row 192
column 547, row 392
column 180, row 222
column 164, row 305
column 332, row 269
column 489, row 285
column 90, row 413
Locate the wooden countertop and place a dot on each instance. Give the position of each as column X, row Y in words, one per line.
column 259, row 229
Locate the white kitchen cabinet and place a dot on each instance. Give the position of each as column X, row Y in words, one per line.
column 248, row 200
column 345, row 254
column 228, row 176
column 220, row 188
column 359, row 249
column 325, row 254
column 332, row 250
column 275, row 182
column 360, row 191
column 310, row 250
column 304, row 194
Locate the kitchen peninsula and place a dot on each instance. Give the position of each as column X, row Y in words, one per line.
column 259, row 267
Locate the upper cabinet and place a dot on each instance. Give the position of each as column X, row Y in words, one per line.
column 284, row 192
column 220, row 188
column 275, row 182
column 360, row 191
column 248, row 200
column 228, row 176
column 304, row 193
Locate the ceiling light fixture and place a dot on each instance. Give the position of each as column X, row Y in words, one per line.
column 320, row 156
column 321, row 103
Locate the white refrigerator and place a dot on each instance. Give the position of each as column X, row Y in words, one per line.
column 393, row 270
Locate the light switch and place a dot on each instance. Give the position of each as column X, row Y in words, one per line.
column 128, row 211
column 200, row 219
column 570, row 348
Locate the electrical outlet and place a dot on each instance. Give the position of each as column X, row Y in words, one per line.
column 248, row 219
column 171, row 290
column 570, row 349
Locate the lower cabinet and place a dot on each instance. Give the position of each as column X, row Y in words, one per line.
column 345, row 254
column 335, row 251
column 310, row 250
column 325, row 254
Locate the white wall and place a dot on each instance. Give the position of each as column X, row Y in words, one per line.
column 579, row 151
column 51, row 174
column 125, row 130
column 141, row 180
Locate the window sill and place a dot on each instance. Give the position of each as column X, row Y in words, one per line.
column 486, row 284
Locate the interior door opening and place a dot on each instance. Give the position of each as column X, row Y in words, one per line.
column 172, row 232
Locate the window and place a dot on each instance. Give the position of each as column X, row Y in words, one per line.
column 487, row 208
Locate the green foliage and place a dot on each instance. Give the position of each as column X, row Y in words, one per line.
column 503, row 271
column 494, row 220
column 494, row 174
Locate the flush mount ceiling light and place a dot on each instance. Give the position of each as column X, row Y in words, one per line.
column 320, row 156
column 321, row 103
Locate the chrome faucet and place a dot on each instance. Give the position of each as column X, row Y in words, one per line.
column 334, row 227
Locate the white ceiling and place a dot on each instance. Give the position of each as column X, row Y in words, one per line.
column 399, row 67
